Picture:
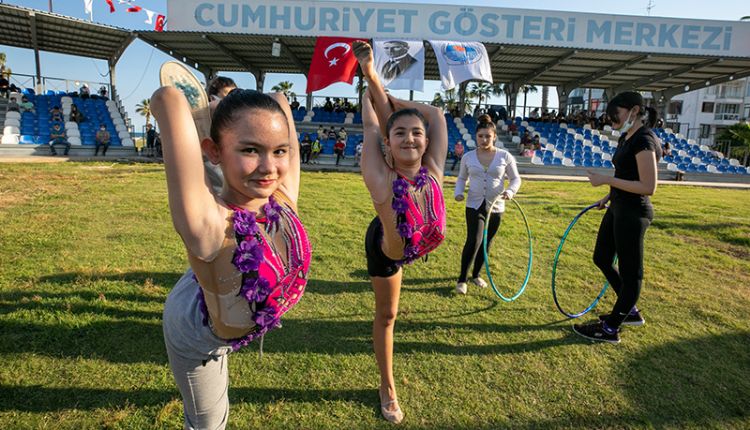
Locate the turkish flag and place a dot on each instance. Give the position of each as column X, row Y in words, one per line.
column 333, row 61
column 134, row 9
column 159, row 26
column 111, row 6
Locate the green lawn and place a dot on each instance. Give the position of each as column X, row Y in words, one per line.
column 88, row 255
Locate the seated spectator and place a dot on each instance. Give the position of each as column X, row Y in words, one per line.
column 294, row 105
column 513, row 129
column 527, row 151
column 102, row 139
column 347, row 107
column 534, row 114
column 76, row 116
column 328, row 106
column 84, row 91
column 667, row 149
column 103, row 92
column 321, row 132
column 342, row 134
column 55, row 115
column 26, row 105
column 4, row 86
column 57, row 137
column 337, row 104
column 13, row 106
column 331, row 134
column 526, row 139
column 537, row 143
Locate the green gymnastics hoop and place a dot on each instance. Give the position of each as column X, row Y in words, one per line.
column 554, row 271
column 487, row 259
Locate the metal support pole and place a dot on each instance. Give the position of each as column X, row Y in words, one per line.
column 35, row 45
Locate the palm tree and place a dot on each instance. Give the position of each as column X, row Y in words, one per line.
column 545, row 98
column 284, row 87
column 482, row 90
column 526, row 90
column 144, row 108
column 503, row 89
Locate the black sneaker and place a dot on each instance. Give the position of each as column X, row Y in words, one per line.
column 595, row 331
column 634, row 320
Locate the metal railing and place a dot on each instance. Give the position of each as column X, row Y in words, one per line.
column 22, row 80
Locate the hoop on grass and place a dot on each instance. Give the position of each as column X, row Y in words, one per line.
column 554, row 271
column 487, row 259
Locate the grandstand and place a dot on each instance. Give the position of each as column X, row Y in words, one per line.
column 33, row 128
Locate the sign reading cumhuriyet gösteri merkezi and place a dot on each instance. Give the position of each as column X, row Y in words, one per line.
column 467, row 23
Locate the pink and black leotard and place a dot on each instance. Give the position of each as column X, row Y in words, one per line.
column 414, row 224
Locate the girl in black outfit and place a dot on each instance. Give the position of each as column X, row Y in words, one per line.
column 629, row 215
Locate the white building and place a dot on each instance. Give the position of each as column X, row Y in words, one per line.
column 704, row 113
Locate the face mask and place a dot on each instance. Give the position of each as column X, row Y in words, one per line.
column 627, row 125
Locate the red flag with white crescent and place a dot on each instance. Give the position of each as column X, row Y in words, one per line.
column 111, row 6
column 333, row 61
column 160, row 20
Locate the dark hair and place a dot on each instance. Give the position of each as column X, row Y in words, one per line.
column 403, row 113
column 629, row 100
column 237, row 101
column 217, row 84
column 485, row 121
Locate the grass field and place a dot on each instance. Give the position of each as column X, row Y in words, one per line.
column 88, row 255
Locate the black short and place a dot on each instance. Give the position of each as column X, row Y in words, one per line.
column 378, row 264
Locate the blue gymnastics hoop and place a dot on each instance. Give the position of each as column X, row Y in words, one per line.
column 487, row 259
column 554, row 270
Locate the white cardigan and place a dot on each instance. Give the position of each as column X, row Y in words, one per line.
column 487, row 185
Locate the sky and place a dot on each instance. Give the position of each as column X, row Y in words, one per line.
column 137, row 72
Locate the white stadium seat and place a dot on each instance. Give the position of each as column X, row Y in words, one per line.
column 74, row 140
column 128, row 142
column 10, row 130
column 9, row 139
column 567, row 162
column 12, row 122
column 73, row 132
column 536, row 160
column 123, row 135
column 13, row 115
column 515, row 139
column 70, row 125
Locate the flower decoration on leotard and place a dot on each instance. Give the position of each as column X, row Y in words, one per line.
column 400, row 204
column 247, row 258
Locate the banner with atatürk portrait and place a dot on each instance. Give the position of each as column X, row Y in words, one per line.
column 400, row 63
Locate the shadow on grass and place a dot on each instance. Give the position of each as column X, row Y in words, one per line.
column 360, row 283
column 113, row 341
column 157, row 279
column 699, row 383
column 49, row 399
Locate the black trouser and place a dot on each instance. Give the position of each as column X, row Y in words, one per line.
column 475, row 219
column 621, row 232
column 456, row 160
column 339, row 155
column 104, row 149
column 305, row 154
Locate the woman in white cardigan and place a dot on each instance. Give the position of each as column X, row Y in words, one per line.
column 485, row 168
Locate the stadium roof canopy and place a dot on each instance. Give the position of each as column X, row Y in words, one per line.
column 566, row 67
column 516, row 63
column 32, row 29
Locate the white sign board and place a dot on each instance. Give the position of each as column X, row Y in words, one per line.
column 463, row 23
